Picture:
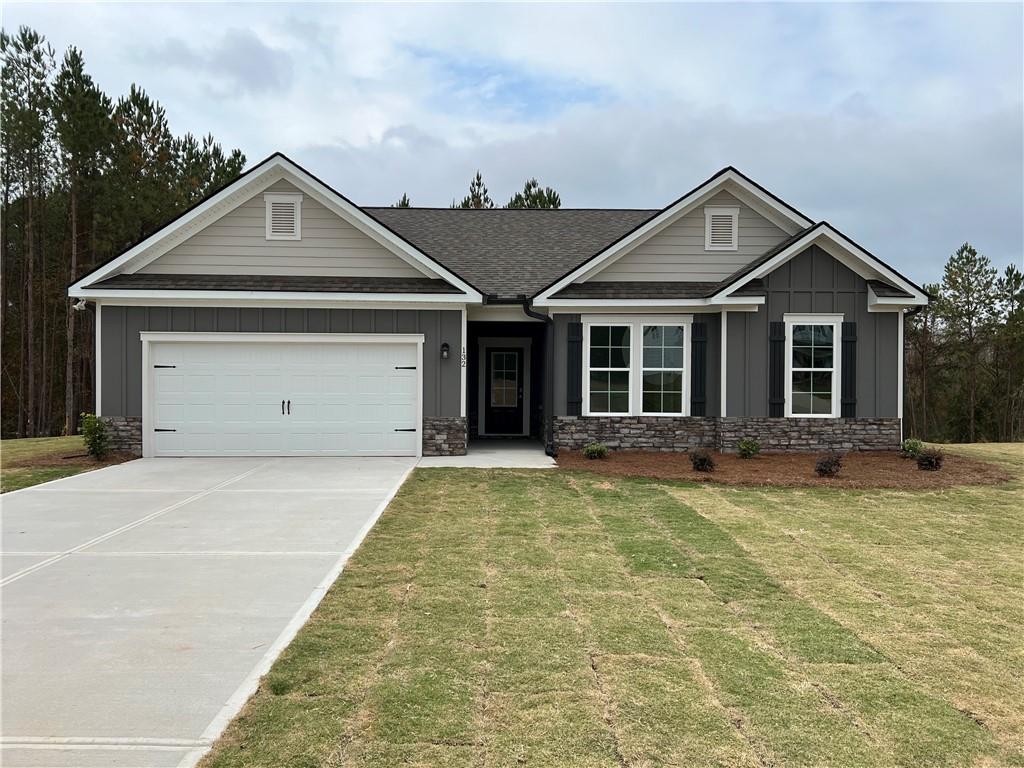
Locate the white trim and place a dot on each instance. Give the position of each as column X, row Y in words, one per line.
column 248, row 686
column 733, row 212
column 463, row 365
column 836, row 321
column 147, row 297
column 736, row 303
column 499, row 313
column 513, row 342
column 269, row 198
column 98, row 362
column 254, row 181
column 636, row 324
column 723, row 364
column 827, row 238
column 153, row 337
column 666, row 217
column 899, row 390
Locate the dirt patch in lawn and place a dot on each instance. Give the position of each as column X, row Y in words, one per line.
column 869, row 469
column 68, row 460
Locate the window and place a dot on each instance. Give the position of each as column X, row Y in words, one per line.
column 636, row 365
column 721, row 228
column 609, row 353
column 284, row 216
column 812, row 363
column 504, row 379
column 663, row 369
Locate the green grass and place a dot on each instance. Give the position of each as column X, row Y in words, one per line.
column 504, row 618
column 33, row 460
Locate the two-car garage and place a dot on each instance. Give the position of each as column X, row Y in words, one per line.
column 255, row 394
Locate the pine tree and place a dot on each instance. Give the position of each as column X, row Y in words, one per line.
column 85, row 134
column 403, row 202
column 533, row 196
column 478, row 196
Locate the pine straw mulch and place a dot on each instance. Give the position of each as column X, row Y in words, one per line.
column 861, row 469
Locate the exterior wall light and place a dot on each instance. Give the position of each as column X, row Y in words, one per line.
column 445, row 349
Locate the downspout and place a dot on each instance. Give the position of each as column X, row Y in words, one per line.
column 549, row 376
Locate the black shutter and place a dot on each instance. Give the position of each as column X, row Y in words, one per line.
column 574, row 372
column 699, row 369
column 848, row 392
column 776, row 369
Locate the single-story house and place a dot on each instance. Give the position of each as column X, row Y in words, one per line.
column 277, row 317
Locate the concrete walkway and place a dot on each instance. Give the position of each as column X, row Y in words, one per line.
column 495, row 454
column 142, row 602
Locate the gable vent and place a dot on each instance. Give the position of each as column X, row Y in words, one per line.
column 284, row 217
column 721, row 228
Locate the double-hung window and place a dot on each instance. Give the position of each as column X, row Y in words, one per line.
column 636, row 365
column 812, row 365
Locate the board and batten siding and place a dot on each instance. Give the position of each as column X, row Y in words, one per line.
column 121, row 347
column 813, row 281
column 236, row 244
column 676, row 253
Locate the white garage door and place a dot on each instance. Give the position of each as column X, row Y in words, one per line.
column 250, row 398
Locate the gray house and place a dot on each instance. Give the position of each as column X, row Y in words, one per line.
column 277, row 317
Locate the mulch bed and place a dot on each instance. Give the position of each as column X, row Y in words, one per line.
column 868, row 469
column 68, row 460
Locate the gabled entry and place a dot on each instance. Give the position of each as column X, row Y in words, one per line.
column 504, row 387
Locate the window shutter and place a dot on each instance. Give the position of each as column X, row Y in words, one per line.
column 776, row 369
column 574, row 372
column 699, row 369
column 848, row 401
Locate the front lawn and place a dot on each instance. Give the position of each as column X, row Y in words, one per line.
column 510, row 618
column 34, row 460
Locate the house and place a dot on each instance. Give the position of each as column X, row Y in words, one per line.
column 277, row 317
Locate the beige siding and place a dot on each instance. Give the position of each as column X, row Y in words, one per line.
column 236, row 244
column 677, row 252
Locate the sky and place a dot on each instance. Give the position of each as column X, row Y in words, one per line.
column 900, row 124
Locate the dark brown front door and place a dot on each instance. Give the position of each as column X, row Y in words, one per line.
column 503, row 391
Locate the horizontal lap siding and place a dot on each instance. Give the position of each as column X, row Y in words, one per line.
column 237, row 244
column 677, row 253
column 121, row 350
column 813, row 281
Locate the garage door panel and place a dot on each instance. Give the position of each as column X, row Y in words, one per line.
column 224, row 398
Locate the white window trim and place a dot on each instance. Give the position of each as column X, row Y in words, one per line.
column 636, row 351
column 719, row 210
column 284, row 197
column 836, row 321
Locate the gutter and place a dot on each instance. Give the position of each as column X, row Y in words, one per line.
column 549, row 374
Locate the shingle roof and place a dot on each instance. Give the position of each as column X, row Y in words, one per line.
column 597, row 289
column 510, row 252
column 276, row 283
column 885, row 289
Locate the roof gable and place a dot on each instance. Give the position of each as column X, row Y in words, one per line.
column 250, row 184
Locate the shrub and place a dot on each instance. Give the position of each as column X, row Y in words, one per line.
column 930, row 459
column 595, row 451
column 748, row 448
column 829, row 466
column 95, row 434
column 702, row 461
column 911, row 448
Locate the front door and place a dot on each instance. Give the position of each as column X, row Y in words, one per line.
column 503, row 391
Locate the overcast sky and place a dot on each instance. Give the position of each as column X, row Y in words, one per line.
column 902, row 125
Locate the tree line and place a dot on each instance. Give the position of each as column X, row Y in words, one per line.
column 532, row 196
column 964, row 377
column 83, row 177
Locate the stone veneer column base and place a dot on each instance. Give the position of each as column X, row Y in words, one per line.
column 683, row 433
column 444, row 436
column 125, row 433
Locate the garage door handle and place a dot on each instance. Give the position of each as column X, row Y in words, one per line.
column 282, row 407
column 164, row 430
column 413, row 429
column 405, row 367
column 289, row 407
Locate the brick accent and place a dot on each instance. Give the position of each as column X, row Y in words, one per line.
column 125, row 433
column 670, row 433
column 444, row 436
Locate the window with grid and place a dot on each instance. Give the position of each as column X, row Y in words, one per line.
column 504, row 379
column 608, row 368
column 812, row 369
column 663, row 369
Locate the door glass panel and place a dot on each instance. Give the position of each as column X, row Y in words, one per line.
column 504, row 379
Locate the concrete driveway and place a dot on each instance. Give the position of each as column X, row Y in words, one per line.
column 142, row 602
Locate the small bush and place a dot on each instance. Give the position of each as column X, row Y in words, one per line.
column 911, row 448
column 595, row 451
column 748, row 448
column 702, row 461
column 96, row 435
column 930, row 459
column 829, row 466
